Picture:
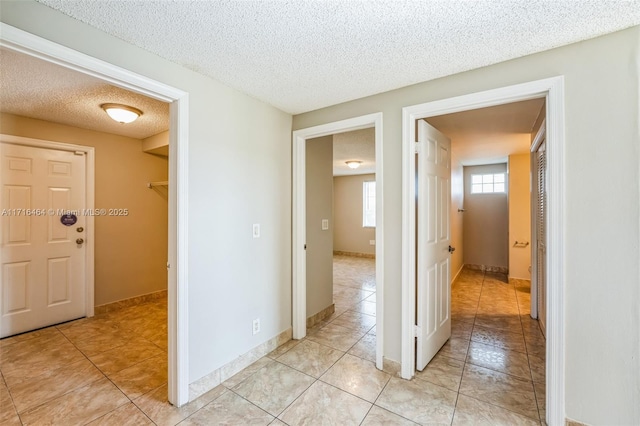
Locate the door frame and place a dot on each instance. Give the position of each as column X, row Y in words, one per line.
column 178, row 347
column 553, row 90
column 89, row 155
column 299, row 264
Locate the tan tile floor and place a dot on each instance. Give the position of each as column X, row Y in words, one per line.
column 111, row 370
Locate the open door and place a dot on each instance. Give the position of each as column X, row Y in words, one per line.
column 433, row 189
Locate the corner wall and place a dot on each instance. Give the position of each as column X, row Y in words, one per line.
column 519, row 216
column 319, row 193
column 456, row 217
column 348, row 233
column 486, row 222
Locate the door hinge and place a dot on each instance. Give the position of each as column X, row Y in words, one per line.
column 305, row 246
column 417, row 147
column 416, row 330
column 79, row 152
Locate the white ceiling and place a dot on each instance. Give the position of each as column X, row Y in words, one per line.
column 490, row 135
column 38, row 89
column 308, row 54
column 481, row 136
column 359, row 145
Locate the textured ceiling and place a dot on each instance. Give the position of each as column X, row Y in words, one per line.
column 357, row 145
column 38, row 89
column 307, row 54
column 489, row 135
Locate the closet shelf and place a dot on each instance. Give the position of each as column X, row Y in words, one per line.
column 161, row 183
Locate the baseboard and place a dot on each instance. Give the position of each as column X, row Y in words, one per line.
column 513, row 280
column 487, row 268
column 573, row 423
column 457, row 274
column 320, row 316
column 125, row 303
column 354, row 254
column 213, row 379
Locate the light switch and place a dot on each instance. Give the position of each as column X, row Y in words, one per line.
column 325, row 224
column 256, row 230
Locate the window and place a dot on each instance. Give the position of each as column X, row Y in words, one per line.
column 369, row 204
column 487, row 184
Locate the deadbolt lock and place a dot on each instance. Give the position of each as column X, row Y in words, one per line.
column 80, row 229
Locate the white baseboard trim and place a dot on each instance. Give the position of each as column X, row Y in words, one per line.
column 455, row 277
column 213, row 379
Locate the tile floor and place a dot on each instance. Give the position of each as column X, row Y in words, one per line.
column 112, row 369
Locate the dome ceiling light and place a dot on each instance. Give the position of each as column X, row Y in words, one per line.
column 121, row 113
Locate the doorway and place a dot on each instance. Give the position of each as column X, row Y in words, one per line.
column 553, row 91
column 300, row 138
column 29, row 44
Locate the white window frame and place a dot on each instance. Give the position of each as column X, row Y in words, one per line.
column 492, row 183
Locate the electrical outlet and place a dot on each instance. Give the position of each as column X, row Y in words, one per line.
column 256, row 326
column 256, row 230
column 372, row 242
column 325, row 224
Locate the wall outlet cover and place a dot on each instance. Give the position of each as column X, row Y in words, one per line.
column 256, row 326
column 325, row 224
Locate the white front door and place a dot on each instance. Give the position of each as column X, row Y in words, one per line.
column 42, row 276
column 433, row 236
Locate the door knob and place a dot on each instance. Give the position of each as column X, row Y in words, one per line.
column 80, row 229
column 451, row 249
column 79, row 241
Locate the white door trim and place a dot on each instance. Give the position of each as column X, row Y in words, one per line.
column 553, row 90
column 21, row 41
column 299, row 268
column 89, row 153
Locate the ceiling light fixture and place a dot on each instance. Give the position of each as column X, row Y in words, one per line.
column 121, row 113
column 353, row 164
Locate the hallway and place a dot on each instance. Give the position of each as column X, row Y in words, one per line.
column 112, row 369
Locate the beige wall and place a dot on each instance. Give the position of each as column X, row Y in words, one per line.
column 319, row 191
column 348, row 233
column 486, row 222
column 456, row 217
column 130, row 251
column 519, row 216
column 601, row 217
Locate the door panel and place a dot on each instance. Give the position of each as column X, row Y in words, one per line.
column 43, row 268
column 433, row 275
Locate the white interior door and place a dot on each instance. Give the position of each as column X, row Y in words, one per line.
column 42, row 278
column 433, row 236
